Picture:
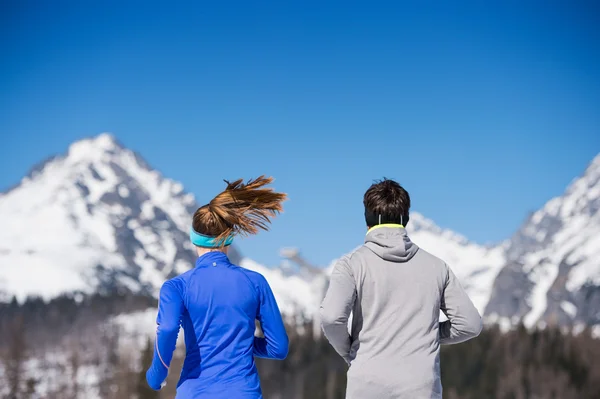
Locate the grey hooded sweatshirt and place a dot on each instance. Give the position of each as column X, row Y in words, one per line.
column 395, row 291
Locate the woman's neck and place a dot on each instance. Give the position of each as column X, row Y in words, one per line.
column 201, row 251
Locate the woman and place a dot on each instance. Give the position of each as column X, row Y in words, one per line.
column 217, row 303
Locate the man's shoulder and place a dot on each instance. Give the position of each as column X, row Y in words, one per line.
column 354, row 260
column 429, row 256
column 362, row 255
column 357, row 253
column 423, row 255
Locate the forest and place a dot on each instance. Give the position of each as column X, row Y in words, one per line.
column 518, row 364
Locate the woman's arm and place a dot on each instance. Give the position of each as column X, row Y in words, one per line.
column 170, row 309
column 275, row 343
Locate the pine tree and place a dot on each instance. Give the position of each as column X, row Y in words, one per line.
column 15, row 356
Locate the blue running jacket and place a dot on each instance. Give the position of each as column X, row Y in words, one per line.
column 217, row 304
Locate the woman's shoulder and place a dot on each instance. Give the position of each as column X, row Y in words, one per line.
column 251, row 274
column 255, row 277
column 175, row 284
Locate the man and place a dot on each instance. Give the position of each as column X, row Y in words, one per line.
column 395, row 291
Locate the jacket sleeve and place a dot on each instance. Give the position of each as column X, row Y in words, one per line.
column 336, row 308
column 170, row 310
column 464, row 321
column 275, row 343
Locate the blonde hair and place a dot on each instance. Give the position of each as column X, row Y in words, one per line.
column 240, row 209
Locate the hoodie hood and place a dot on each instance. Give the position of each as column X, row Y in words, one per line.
column 391, row 243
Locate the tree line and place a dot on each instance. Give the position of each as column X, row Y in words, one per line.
column 518, row 364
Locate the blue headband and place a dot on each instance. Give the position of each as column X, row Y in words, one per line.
column 200, row 240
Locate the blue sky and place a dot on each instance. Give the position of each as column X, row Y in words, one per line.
column 483, row 112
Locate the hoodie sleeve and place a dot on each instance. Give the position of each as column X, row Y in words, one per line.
column 170, row 310
column 464, row 321
column 336, row 308
column 274, row 344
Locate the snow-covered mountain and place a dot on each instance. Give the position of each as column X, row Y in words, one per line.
column 97, row 218
column 100, row 219
column 104, row 220
column 552, row 270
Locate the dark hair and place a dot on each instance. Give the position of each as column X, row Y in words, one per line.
column 239, row 209
column 387, row 199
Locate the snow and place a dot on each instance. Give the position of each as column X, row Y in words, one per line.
column 28, row 275
column 101, row 233
column 98, row 187
column 74, row 230
column 537, row 217
column 148, row 210
column 123, row 191
column 35, row 264
column 588, row 257
column 141, row 325
column 552, row 207
column 569, row 308
column 149, row 272
column 180, row 266
column 578, row 328
column 294, row 295
column 578, row 242
column 569, row 204
column 573, row 241
column 504, row 323
column 544, row 274
column 54, row 369
column 176, row 188
column 593, row 192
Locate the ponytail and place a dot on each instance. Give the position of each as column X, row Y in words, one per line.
column 241, row 209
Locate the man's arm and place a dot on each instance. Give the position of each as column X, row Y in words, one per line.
column 337, row 306
column 170, row 310
column 464, row 321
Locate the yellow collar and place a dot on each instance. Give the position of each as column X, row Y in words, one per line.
column 385, row 225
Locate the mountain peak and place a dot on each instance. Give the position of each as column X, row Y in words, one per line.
column 593, row 168
column 596, row 160
column 94, row 147
column 122, row 224
column 418, row 222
